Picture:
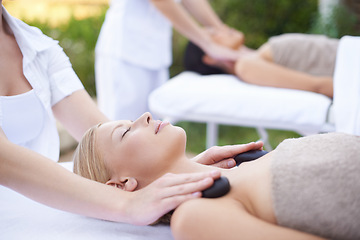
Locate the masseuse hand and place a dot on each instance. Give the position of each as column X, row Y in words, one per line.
column 219, row 52
column 223, row 156
column 165, row 194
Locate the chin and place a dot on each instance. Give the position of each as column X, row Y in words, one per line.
column 181, row 133
column 178, row 142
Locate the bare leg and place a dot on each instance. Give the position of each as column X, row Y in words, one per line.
column 260, row 69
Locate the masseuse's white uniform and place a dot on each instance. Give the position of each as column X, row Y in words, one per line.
column 27, row 118
column 133, row 54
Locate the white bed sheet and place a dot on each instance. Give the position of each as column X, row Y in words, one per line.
column 22, row 218
column 224, row 99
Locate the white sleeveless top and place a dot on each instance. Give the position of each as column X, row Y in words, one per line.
column 22, row 117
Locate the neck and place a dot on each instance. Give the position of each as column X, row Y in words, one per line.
column 180, row 165
column 4, row 29
column 185, row 165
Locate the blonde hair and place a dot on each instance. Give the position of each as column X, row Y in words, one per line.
column 88, row 162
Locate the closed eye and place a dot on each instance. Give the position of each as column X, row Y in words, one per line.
column 126, row 132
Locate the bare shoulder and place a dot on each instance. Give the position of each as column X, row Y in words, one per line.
column 225, row 218
column 194, row 218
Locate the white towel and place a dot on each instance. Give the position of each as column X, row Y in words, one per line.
column 347, row 86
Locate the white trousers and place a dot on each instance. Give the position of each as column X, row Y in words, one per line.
column 123, row 88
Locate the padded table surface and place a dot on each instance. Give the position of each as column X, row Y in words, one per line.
column 22, row 218
column 224, row 99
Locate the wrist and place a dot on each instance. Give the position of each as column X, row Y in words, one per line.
column 126, row 208
column 205, row 42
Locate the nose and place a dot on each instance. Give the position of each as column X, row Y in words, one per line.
column 144, row 119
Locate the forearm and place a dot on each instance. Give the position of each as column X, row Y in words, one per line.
column 256, row 70
column 183, row 22
column 47, row 182
column 204, row 13
column 78, row 112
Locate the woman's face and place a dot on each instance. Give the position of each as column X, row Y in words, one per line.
column 140, row 149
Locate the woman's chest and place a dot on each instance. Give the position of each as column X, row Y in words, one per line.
column 12, row 81
column 251, row 186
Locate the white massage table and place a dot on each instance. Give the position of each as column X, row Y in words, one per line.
column 224, row 99
column 22, row 218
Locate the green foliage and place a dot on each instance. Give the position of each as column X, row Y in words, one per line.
column 261, row 19
column 340, row 22
column 78, row 39
column 228, row 135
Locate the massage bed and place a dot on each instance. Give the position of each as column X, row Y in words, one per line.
column 225, row 99
column 22, row 218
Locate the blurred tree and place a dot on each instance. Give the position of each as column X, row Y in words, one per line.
column 78, row 39
column 342, row 19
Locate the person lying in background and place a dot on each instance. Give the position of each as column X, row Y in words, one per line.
column 306, row 188
column 293, row 60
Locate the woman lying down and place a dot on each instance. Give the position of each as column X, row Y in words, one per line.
column 307, row 188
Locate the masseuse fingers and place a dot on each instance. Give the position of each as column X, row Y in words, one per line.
column 170, row 180
column 168, row 192
column 216, row 153
column 173, row 196
column 225, row 163
column 174, row 201
column 231, row 150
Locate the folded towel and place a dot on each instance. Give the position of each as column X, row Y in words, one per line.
column 347, row 86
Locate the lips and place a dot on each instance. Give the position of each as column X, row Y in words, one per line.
column 160, row 125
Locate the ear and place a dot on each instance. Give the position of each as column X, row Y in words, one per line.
column 125, row 183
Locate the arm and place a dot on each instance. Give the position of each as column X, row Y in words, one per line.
column 204, row 13
column 47, row 182
column 219, row 219
column 71, row 104
column 275, row 75
column 183, row 23
column 224, row 156
column 78, row 112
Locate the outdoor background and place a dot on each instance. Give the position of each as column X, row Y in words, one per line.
column 76, row 24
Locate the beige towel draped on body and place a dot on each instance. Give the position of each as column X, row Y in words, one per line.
column 316, row 185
